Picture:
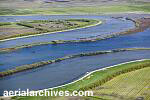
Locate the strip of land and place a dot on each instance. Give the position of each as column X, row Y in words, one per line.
column 24, row 29
column 43, row 63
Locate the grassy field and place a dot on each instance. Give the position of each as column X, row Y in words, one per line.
column 130, row 76
column 145, row 8
column 26, row 7
column 26, row 28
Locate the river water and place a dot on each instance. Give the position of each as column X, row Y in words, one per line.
column 68, row 70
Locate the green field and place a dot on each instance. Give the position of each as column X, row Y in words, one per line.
column 131, row 76
column 129, row 86
column 145, row 8
column 29, row 7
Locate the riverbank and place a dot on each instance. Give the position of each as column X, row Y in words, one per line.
column 93, row 80
column 98, row 77
column 108, row 83
column 42, row 63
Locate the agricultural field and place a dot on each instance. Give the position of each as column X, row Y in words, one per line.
column 129, row 86
column 25, row 28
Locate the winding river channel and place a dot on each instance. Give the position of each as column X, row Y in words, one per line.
column 68, row 70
